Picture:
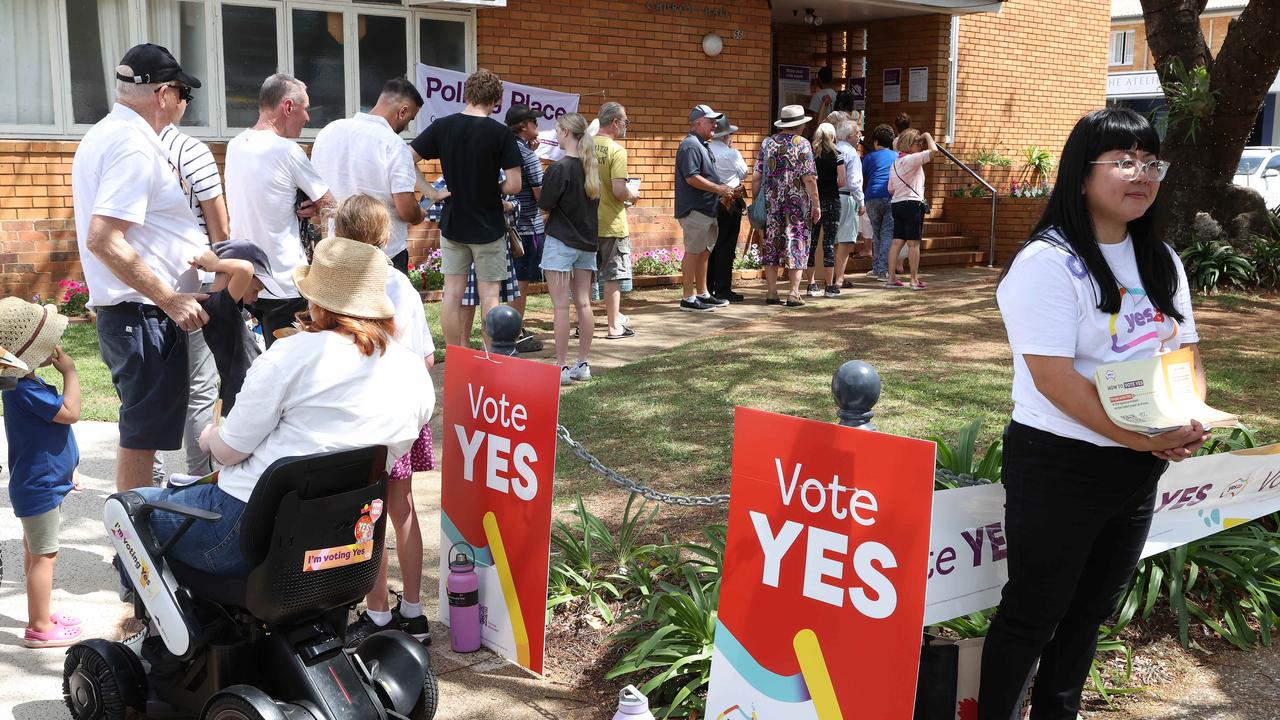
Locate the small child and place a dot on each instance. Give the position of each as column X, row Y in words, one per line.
column 364, row 219
column 241, row 272
column 43, row 456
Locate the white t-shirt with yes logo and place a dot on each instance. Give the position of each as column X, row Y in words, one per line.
column 1050, row 307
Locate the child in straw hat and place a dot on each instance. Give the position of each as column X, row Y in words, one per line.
column 43, row 455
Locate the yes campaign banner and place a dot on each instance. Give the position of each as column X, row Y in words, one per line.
column 1195, row 498
column 441, row 91
column 824, row 572
column 499, row 458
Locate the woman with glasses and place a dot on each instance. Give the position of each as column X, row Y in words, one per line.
column 1093, row 285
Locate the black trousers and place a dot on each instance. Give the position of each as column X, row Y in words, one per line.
column 1076, row 519
column 720, row 263
column 274, row 314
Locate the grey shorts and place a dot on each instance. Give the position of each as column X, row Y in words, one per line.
column 40, row 532
column 614, row 258
column 490, row 259
column 699, row 232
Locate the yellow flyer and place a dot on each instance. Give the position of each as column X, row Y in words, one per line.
column 1155, row 395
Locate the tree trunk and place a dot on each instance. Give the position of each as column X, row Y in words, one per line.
column 1200, row 179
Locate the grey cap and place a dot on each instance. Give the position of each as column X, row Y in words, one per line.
column 724, row 128
column 703, row 111
column 256, row 256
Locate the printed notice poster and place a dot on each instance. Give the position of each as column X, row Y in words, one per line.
column 893, row 85
column 918, row 84
column 858, row 89
column 499, row 442
column 822, row 601
column 793, row 86
column 442, row 95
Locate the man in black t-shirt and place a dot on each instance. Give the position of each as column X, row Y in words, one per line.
column 472, row 147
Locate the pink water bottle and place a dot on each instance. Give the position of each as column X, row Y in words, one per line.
column 463, row 586
column 632, row 705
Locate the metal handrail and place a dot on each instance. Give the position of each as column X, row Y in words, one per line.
column 991, row 254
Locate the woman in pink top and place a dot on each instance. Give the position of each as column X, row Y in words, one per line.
column 906, row 182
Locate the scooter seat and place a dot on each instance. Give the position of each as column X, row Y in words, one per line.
column 222, row 589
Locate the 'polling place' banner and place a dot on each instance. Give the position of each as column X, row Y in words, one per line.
column 824, row 571
column 1194, row 499
column 499, row 442
column 441, row 91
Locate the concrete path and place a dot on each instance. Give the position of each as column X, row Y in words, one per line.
column 475, row 686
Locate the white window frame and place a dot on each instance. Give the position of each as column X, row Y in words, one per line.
column 1127, row 39
column 213, row 87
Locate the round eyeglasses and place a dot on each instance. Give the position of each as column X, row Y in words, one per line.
column 1130, row 169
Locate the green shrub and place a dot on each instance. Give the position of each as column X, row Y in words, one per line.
column 1212, row 265
column 960, row 466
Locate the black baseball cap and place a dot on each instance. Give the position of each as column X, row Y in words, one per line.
column 519, row 114
column 154, row 64
column 257, row 257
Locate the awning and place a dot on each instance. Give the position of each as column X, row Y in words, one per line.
column 1146, row 85
column 792, row 12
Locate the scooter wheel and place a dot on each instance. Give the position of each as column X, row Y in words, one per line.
column 425, row 708
column 101, row 681
column 241, row 702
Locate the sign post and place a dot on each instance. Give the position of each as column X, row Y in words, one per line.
column 499, row 441
column 822, row 601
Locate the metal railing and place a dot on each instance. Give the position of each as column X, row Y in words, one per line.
column 991, row 251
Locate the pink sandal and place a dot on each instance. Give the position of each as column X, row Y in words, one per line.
column 921, row 285
column 59, row 636
column 895, row 284
column 61, row 618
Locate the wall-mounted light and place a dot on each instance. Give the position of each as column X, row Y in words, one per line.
column 812, row 19
column 712, row 44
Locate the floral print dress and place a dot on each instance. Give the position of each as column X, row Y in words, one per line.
column 783, row 162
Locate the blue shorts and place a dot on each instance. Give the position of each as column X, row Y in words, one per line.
column 558, row 257
column 146, row 353
column 529, row 267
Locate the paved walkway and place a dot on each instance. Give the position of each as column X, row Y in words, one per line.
column 474, row 686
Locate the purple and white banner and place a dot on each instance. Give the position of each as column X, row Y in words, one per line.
column 1194, row 499
column 442, row 92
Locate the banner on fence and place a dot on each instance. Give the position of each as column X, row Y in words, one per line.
column 824, row 571
column 441, row 91
column 1194, row 499
column 499, row 457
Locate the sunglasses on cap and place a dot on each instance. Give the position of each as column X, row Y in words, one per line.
column 184, row 92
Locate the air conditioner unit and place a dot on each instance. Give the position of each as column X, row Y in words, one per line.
column 459, row 4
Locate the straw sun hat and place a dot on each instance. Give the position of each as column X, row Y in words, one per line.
column 791, row 116
column 29, row 331
column 348, row 278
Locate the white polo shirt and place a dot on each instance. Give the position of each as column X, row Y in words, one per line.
column 264, row 173
column 120, row 171
column 363, row 154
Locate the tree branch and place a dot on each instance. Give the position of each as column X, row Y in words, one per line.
column 1173, row 30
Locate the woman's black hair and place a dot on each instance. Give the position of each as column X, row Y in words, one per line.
column 844, row 102
column 1066, row 213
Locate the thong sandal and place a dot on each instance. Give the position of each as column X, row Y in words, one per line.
column 626, row 333
column 59, row 636
column 66, row 619
column 920, row 285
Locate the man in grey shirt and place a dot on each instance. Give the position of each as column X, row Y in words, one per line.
column 697, row 191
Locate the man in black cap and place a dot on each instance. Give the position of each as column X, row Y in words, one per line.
column 523, row 122
column 136, row 235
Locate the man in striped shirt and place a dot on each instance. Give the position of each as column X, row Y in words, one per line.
column 198, row 175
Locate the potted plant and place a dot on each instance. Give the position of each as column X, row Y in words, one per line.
column 428, row 278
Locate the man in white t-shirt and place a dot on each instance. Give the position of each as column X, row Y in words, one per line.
column 266, row 170
column 198, row 174
column 136, row 236
column 365, row 154
column 824, row 100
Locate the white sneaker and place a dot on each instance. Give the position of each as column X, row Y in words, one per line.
column 565, row 376
column 581, row 371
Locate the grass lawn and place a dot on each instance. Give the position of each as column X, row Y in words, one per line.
column 943, row 361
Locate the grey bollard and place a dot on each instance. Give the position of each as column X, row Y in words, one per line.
column 502, row 325
column 856, row 389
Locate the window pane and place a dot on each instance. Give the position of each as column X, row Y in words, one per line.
column 97, row 35
column 179, row 25
column 443, row 44
column 382, row 55
column 25, row 75
column 249, row 56
column 318, row 62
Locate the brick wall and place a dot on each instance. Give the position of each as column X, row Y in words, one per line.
column 1214, row 29
column 37, row 232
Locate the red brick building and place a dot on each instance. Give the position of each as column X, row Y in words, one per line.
column 1018, row 73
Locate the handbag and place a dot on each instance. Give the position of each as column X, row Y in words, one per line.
column 758, row 211
column 513, row 239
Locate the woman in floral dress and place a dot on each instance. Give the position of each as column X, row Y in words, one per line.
column 785, row 165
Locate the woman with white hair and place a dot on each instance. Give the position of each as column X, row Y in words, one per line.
column 851, row 202
column 831, row 177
